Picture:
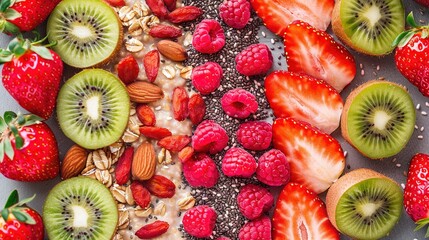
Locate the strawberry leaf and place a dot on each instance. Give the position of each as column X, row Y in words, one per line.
column 42, row 51
column 5, row 55
column 19, row 216
column 5, row 4
column 12, row 199
column 8, row 148
column 11, row 14
column 26, row 200
column 410, row 20
column 1, row 151
column 23, row 216
column 31, row 119
column 3, row 125
column 9, row 116
column 5, row 214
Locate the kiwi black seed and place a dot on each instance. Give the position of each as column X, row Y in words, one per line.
column 86, row 32
column 80, row 208
column 93, row 108
column 378, row 119
column 368, row 26
column 364, row 204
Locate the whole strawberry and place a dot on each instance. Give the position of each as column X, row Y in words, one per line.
column 412, row 55
column 416, row 202
column 25, row 15
column 19, row 222
column 32, row 75
column 423, row 2
column 28, row 148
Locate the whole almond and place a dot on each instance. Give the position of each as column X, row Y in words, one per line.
column 74, row 162
column 144, row 92
column 144, row 162
column 172, row 50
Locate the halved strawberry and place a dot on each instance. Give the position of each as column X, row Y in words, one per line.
column 304, row 98
column 316, row 53
column 316, row 158
column 300, row 214
column 277, row 14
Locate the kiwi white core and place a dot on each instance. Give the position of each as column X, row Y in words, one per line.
column 373, row 15
column 381, row 119
column 81, row 31
column 368, row 209
column 80, row 217
column 93, row 107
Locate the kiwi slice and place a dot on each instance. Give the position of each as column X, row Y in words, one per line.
column 93, row 108
column 86, row 32
column 368, row 26
column 364, row 204
column 80, row 208
column 378, row 119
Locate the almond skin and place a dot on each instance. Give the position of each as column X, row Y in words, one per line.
column 172, row 50
column 74, row 162
column 144, row 92
column 144, row 162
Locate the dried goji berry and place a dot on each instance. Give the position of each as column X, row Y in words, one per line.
column 152, row 230
column 180, row 101
column 123, row 168
column 165, row 31
column 157, row 133
column 170, row 4
column 158, row 8
column 128, row 69
column 140, row 194
column 174, row 143
column 196, row 108
column 151, row 64
column 146, row 115
column 186, row 154
column 185, row 14
column 160, row 186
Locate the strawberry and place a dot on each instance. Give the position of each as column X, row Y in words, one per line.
column 316, row 158
column 300, row 214
column 19, row 222
column 277, row 14
column 412, row 55
column 25, row 15
column 416, row 202
column 28, row 148
column 423, row 2
column 316, row 53
column 32, row 75
column 305, row 98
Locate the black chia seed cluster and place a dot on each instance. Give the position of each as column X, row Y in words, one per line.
column 222, row 197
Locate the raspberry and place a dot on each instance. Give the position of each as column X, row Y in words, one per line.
column 256, row 59
column 209, row 137
column 259, row 229
column 201, row 171
column 238, row 163
column 273, row 168
column 255, row 135
column 199, row 221
column 208, row 37
column 239, row 103
column 206, row 78
column 235, row 13
column 223, row 238
column 254, row 200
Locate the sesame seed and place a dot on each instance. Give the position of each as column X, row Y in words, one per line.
column 422, row 129
column 420, row 137
column 424, row 113
column 362, row 72
column 403, row 187
column 418, row 106
column 398, row 165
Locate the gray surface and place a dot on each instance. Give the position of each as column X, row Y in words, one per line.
column 404, row 229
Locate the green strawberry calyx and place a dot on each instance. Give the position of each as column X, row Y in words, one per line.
column 403, row 38
column 421, row 224
column 8, row 13
column 19, row 46
column 10, row 125
column 17, row 208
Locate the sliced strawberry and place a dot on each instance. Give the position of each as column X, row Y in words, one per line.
column 316, row 158
column 300, row 214
column 277, row 14
column 304, row 98
column 316, row 53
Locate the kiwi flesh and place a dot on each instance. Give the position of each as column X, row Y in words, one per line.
column 368, row 26
column 93, row 108
column 364, row 204
column 378, row 119
column 80, row 208
column 86, row 32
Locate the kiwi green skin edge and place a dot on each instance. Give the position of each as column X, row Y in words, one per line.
column 72, row 135
column 101, row 63
column 94, row 185
column 338, row 29
column 348, row 103
column 344, row 183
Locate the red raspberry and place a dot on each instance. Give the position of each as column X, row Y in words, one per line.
column 206, row 78
column 209, row 137
column 208, row 37
column 273, row 168
column 235, row 13
column 239, row 103
column 255, row 135
column 254, row 200
column 256, row 59
column 259, row 229
column 223, row 238
column 238, row 162
column 199, row 221
column 201, row 171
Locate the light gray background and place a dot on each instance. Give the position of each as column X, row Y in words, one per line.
column 389, row 167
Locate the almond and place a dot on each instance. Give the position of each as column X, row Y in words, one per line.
column 74, row 162
column 172, row 50
column 144, row 162
column 144, row 92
